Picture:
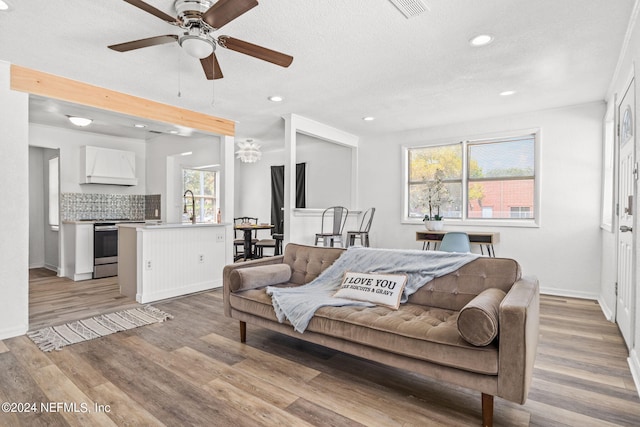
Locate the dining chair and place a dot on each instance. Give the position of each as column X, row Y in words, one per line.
column 455, row 241
column 363, row 231
column 275, row 242
column 238, row 235
column 335, row 218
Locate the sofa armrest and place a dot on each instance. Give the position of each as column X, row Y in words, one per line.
column 228, row 269
column 518, row 339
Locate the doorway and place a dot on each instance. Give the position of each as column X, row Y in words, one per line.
column 44, row 182
column 627, row 191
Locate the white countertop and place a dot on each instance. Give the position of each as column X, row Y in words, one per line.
column 161, row 226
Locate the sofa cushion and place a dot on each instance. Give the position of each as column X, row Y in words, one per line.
column 381, row 289
column 259, row 276
column 307, row 262
column 424, row 333
column 454, row 290
column 478, row 320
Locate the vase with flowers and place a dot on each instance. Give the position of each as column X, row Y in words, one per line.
column 437, row 195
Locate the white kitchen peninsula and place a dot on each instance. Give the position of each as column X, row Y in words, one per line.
column 159, row 261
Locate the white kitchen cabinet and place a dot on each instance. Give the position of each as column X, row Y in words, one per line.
column 78, row 248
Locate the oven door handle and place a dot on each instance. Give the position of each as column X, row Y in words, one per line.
column 105, row 228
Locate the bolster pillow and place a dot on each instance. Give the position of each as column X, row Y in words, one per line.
column 478, row 320
column 259, row 276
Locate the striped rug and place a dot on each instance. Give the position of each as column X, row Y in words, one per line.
column 56, row 337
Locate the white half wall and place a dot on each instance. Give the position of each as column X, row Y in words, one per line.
column 564, row 252
column 14, row 176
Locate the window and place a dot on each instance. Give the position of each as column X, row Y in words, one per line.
column 424, row 162
column 489, row 179
column 204, row 185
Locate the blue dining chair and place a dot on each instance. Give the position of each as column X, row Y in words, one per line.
column 455, row 241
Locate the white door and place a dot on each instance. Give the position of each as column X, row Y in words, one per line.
column 625, row 310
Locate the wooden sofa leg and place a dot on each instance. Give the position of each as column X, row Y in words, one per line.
column 243, row 332
column 487, row 410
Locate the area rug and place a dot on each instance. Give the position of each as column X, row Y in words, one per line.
column 56, row 337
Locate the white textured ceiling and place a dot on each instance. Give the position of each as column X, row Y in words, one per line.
column 353, row 58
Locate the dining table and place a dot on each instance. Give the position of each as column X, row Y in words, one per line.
column 248, row 228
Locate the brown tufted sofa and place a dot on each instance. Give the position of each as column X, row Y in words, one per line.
column 422, row 336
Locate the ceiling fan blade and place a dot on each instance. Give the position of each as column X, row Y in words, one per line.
column 138, row 44
column 211, row 67
column 225, row 11
column 152, row 10
column 256, row 51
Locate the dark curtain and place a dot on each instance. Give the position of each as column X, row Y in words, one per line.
column 277, row 193
column 301, row 194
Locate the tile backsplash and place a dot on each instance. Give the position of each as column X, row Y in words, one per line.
column 78, row 206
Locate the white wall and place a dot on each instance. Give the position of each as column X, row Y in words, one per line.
column 254, row 182
column 328, row 172
column 564, row 252
column 164, row 168
column 69, row 143
column 328, row 176
column 14, row 185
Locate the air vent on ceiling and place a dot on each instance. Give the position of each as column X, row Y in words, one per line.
column 410, row 8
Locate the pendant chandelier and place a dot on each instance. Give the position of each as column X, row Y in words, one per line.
column 249, row 151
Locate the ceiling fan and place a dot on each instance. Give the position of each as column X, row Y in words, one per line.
column 200, row 19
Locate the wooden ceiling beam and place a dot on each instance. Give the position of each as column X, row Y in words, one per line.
column 51, row 86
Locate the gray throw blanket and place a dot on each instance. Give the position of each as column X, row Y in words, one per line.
column 298, row 304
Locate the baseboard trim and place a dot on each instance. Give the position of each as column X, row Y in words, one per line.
column 606, row 310
column 634, row 366
column 569, row 294
column 13, row 332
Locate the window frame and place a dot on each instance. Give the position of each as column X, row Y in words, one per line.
column 465, row 220
column 202, row 197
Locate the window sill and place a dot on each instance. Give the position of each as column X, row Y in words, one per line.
column 496, row 223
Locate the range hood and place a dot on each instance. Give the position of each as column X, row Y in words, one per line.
column 106, row 166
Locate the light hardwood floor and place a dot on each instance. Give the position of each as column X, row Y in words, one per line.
column 192, row 370
column 57, row 300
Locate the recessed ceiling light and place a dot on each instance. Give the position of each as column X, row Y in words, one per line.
column 481, row 40
column 507, row 93
column 276, row 98
column 368, row 119
column 79, row 121
column 140, row 125
column 4, row 5
column 174, row 132
column 186, row 153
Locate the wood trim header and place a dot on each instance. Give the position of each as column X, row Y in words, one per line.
column 52, row 86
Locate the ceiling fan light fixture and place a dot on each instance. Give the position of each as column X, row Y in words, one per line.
column 249, row 151
column 79, row 121
column 197, row 46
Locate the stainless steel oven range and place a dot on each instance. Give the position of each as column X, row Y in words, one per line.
column 105, row 249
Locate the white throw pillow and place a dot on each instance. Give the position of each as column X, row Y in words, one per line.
column 380, row 289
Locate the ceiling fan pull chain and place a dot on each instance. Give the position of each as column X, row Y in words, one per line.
column 213, row 92
column 179, row 73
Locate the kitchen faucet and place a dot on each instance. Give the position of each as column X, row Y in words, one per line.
column 193, row 205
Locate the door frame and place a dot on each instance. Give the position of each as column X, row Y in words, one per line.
column 629, row 81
